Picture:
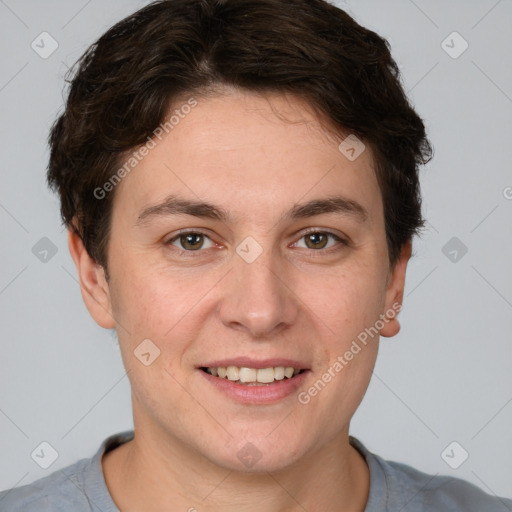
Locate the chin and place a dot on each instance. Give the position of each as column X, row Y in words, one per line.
column 253, row 454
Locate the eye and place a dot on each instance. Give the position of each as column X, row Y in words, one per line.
column 194, row 241
column 317, row 240
column 190, row 241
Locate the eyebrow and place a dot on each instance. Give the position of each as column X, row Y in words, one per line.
column 173, row 205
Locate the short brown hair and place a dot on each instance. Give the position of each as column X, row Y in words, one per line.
column 123, row 85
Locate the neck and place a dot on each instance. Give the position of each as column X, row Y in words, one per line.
column 143, row 475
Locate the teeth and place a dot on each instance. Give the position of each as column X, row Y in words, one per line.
column 279, row 372
column 253, row 375
column 248, row 375
column 265, row 375
column 233, row 373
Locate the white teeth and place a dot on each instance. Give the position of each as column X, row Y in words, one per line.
column 288, row 372
column 279, row 372
column 233, row 373
column 253, row 375
column 265, row 375
column 248, row 375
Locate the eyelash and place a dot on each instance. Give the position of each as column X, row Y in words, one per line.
column 196, row 253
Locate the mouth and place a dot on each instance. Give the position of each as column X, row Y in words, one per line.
column 253, row 376
column 255, row 382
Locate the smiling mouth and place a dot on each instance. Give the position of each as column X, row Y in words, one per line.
column 253, row 376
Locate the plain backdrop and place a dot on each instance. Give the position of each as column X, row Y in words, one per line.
column 446, row 377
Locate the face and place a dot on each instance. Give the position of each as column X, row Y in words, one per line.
column 284, row 267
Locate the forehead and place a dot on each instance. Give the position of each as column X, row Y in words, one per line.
column 248, row 153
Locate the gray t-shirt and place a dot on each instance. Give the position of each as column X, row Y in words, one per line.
column 394, row 487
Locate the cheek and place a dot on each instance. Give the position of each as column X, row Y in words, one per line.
column 348, row 309
column 171, row 311
column 348, row 303
column 347, row 358
column 151, row 305
column 136, row 306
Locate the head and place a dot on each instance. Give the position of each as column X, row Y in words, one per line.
column 278, row 136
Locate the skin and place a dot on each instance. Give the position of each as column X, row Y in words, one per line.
column 293, row 301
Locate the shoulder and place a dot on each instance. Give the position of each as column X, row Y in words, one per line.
column 79, row 487
column 421, row 491
column 60, row 491
column 397, row 486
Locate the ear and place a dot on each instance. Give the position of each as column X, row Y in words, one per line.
column 395, row 293
column 93, row 284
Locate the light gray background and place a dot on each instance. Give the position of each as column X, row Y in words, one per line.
column 446, row 377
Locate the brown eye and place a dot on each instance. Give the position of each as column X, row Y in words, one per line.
column 316, row 240
column 191, row 241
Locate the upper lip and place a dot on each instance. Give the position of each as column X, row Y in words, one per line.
column 247, row 362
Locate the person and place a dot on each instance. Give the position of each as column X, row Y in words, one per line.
column 239, row 180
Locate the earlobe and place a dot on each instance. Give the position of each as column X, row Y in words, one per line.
column 395, row 293
column 93, row 285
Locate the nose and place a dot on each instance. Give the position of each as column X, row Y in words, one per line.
column 258, row 297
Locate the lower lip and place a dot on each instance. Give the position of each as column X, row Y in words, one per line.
column 264, row 394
